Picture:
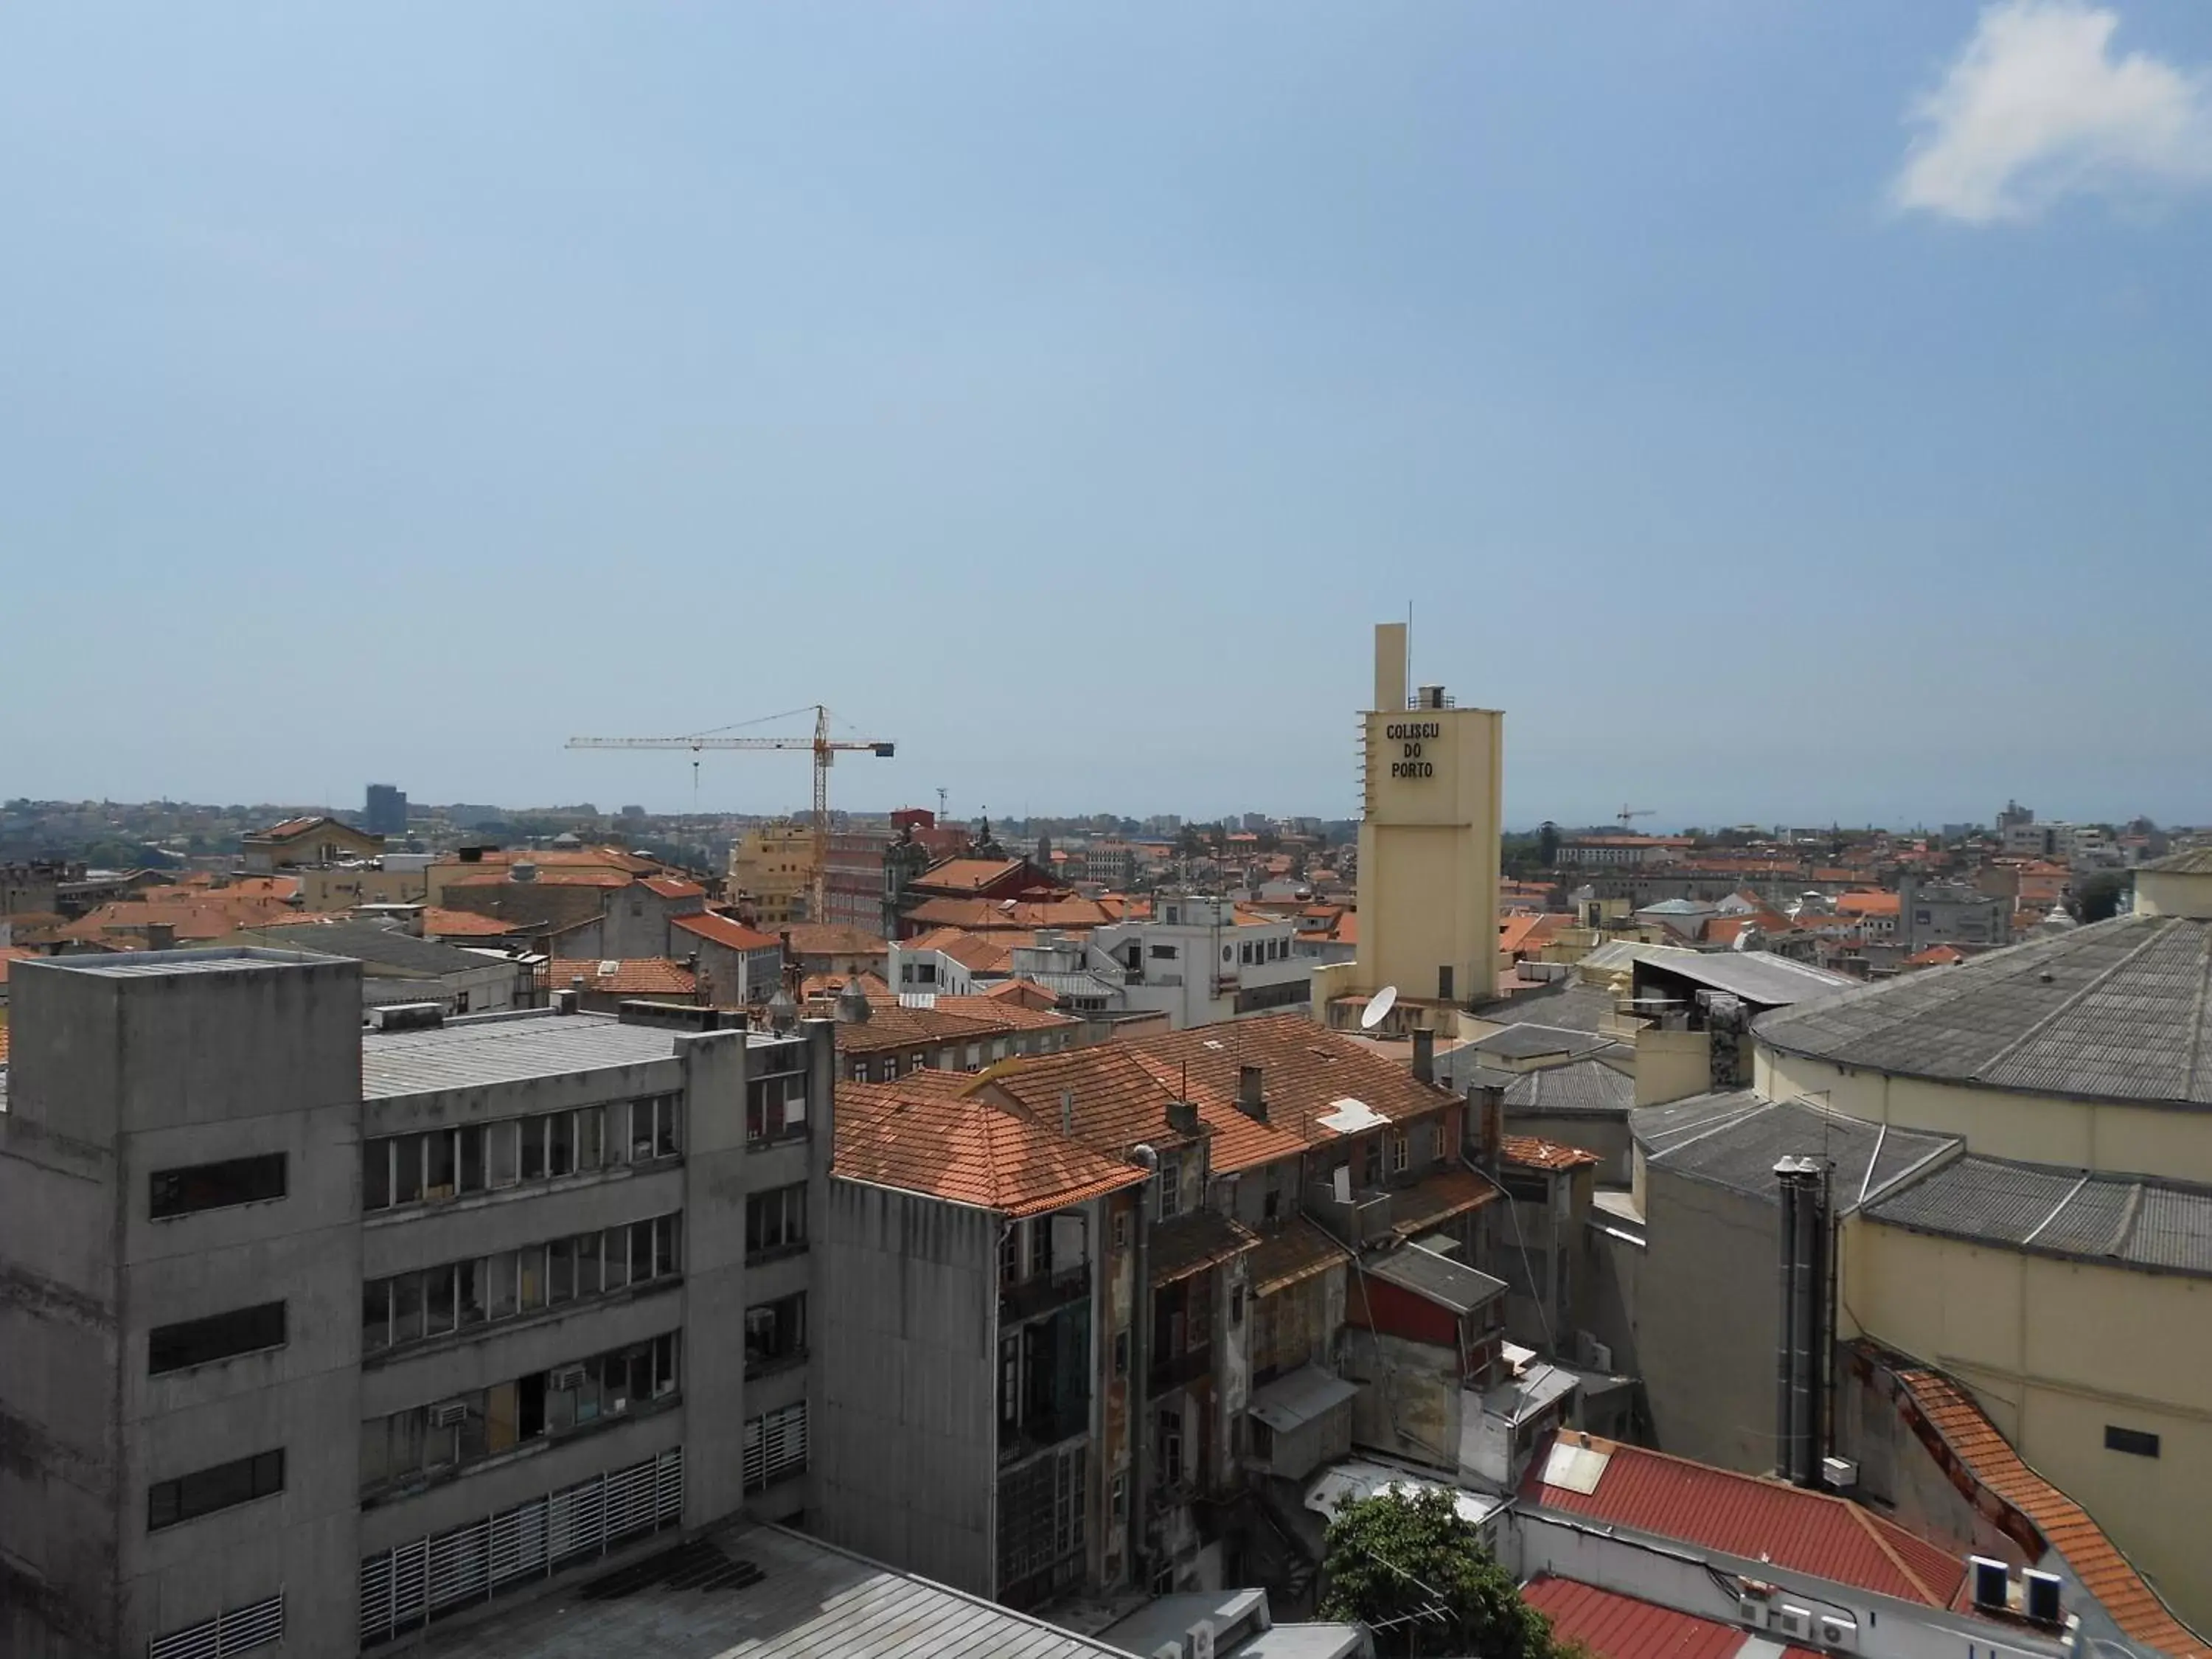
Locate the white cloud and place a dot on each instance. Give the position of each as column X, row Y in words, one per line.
column 2037, row 107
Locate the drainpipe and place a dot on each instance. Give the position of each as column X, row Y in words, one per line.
column 1140, row 1345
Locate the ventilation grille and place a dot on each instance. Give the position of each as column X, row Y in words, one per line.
column 240, row 1630
column 402, row 1589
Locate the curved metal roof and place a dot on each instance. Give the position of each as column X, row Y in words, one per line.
column 2119, row 1010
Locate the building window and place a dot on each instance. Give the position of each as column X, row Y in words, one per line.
column 1167, row 1187
column 2137, row 1443
column 1169, row 1446
column 775, row 1447
column 1236, row 1304
column 199, row 1187
column 219, row 1336
column 452, row 1434
column 1121, row 1353
column 1120, row 1229
column 1119, row 1500
column 775, row 1222
column 443, row 1163
column 1163, row 953
column 775, row 1334
column 206, row 1491
column 434, row 1302
column 1400, row 1153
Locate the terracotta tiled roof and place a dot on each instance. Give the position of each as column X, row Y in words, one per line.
column 874, row 987
column 291, row 827
column 1026, row 992
column 631, row 976
column 892, row 1025
column 1616, row 1627
column 1747, row 1516
column 1118, row 1100
column 1514, row 933
column 1935, row 955
column 462, row 924
column 971, row 950
column 1306, row 1070
column 544, row 878
column 195, row 916
column 1292, row 1256
column 827, row 939
column 673, row 887
column 1867, row 904
column 1194, row 1241
column 1015, row 1015
column 725, row 931
column 914, row 1135
column 1239, row 1142
column 1530, row 1154
column 1437, row 1198
column 1992, row 1463
column 967, row 875
column 983, row 915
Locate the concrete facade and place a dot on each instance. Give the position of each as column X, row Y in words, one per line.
column 510, row 1257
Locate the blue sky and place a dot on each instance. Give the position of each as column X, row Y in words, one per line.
column 1781, row 412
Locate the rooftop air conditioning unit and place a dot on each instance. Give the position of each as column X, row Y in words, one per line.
column 1838, row 1630
column 2040, row 1590
column 1201, row 1639
column 1795, row 1623
column 1840, row 1473
column 568, row 1377
column 1751, row 1610
column 1991, row 1581
column 449, row 1413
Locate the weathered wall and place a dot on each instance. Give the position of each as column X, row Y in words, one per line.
column 906, row 1446
column 1705, row 1319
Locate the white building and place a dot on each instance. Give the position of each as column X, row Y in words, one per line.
column 1199, row 960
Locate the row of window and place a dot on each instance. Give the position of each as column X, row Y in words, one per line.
column 485, row 1423
column 775, row 1222
column 1255, row 952
column 886, row 1068
column 776, row 1107
column 220, row 1487
column 432, row 1302
column 443, row 1163
column 216, row 1186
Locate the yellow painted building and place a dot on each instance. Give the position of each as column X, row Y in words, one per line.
column 772, row 868
column 1428, row 849
column 2059, row 1264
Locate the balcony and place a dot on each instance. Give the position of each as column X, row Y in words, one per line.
column 1177, row 1371
column 1026, row 1299
column 1363, row 1221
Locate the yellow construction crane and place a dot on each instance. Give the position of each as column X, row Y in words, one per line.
column 825, row 749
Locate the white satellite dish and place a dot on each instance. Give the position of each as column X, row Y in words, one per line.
column 1378, row 1007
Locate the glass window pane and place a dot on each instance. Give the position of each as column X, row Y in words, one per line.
column 533, row 1148
column 560, row 1271
column 499, row 1419
column 663, row 1246
column 406, row 1169
column 587, row 1265
column 375, row 1451
column 499, row 1154
column 666, row 1141
column 470, row 1292
column 406, row 1442
column 664, row 1364
column 530, row 1264
column 375, row 1314
column 591, row 1131
column 407, row 1308
column 473, row 1158
column 474, row 1431
column 376, row 1175
column 438, row 1175
column 560, row 1156
column 437, row 1301
column 641, row 1251
column 615, row 1249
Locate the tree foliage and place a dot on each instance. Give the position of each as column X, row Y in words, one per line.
column 2099, row 895
column 1414, row 1571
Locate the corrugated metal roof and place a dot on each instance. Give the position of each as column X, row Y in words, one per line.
column 1447, row 1282
column 1615, row 1627
column 811, row 1599
column 1195, row 1241
column 1526, row 1040
column 2119, row 1010
column 1570, row 1006
column 1584, row 1085
column 503, row 1048
column 1745, row 1516
column 1292, row 1401
column 1759, row 976
column 154, row 964
column 1735, row 1140
column 2115, row 1220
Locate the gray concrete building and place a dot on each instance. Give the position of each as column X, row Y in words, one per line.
column 311, row 1336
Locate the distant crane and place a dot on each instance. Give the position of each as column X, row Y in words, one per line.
column 1628, row 812
column 825, row 749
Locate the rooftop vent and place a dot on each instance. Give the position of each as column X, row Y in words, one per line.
column 407, row 1017
column 1991, row 1582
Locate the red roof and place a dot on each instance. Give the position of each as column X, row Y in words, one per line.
column 1756, row 1519
column 631, row 976
column 917, row 1136
column 1530, row 1154
column 1935, row 955
column 672, row 887
column 1994, row 1467
column 721, row 930
column 1867, row 904
column 1615, row 1627
column 462, row 924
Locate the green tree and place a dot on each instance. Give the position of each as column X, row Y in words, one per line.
column 2099, row 895
column 1413, row 1570
column 1547, row 844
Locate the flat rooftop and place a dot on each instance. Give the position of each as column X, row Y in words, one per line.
column 470, row 1053
column 153, row 965
column 766, row 1593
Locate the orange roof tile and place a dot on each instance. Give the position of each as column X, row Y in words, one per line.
column 725, row 931
column 631, row 976
column 959, row 875
column 1867, row 904
column 971, row 950
column 1026, row 992
column 1612, row 1625
column 874, row 987
column 983, row 915
column 1532, row 1153
column 1306, row 1070
column 439, row 923
column 915, row 1136
column 557, row 877
column 1015, row 1015
column 1437, row 1198
column 828, row 938
column 1118, row 1100
column 1989, row 1460
column 673, row 887
column 1935, row 955
column 1239, row 1142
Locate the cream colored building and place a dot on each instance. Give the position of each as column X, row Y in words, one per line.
column 771, row 869
column 1428, row 852
column 2058, row 1262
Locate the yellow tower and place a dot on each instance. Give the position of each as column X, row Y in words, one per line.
column 1428, row 845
